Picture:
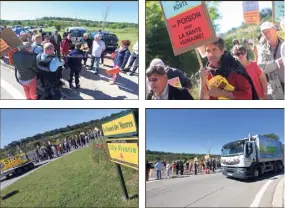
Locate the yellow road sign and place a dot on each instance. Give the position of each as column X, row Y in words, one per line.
column 124, row 151
column 121, row 126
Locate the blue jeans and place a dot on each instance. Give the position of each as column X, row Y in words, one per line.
column 95, row 59
column 158, row 174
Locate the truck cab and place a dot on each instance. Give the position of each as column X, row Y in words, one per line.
column 251, row 157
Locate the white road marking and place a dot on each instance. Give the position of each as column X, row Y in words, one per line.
column 12, row 90
column 259, row 195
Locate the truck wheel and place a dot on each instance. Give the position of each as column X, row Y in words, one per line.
column 256, row 173
column 275, row 167
column 19, row 171
column 31, row 166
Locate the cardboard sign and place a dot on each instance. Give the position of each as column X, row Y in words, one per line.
column 124, row 125
column 175, row 82
column 251, row 12
column 188, row 24
column 281, row 34
column 12, row 40
column 124, row 151
column 277, row 11
column 4, row 48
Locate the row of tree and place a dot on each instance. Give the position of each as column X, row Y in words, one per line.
column 65, row 22
column 169, row 156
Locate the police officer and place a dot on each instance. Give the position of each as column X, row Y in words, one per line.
column 36, row 46
column 48, row 64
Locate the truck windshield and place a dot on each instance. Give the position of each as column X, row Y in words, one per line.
column 233, row 149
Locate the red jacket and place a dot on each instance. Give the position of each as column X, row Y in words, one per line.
column 65, row 45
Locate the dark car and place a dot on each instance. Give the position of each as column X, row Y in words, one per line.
column 110, row 39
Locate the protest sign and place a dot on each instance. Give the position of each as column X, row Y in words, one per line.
column 188, row 24
column 251, row 12
column 4, row 48
column 12, row 40
column 277, row 11
column 175, row 82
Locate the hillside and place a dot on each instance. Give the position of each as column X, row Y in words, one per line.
column 154, row 155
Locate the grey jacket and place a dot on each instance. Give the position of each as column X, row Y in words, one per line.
column 267, row 63
column 25, row 64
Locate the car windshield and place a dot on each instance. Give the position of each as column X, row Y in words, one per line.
column 233, row 149
column 77, row 33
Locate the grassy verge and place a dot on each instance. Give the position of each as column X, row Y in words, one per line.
column 80, row 179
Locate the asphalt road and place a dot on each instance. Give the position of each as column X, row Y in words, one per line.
column 213, row 190
column 96, row 87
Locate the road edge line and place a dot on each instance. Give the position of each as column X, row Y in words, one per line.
column 278, row 197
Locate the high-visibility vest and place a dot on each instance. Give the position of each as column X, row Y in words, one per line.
column 10, row 55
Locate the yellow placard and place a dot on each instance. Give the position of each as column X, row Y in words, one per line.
column 125, row 152
column 125, row 125
column 281, row 34
column 175, row 82
column 13, row 161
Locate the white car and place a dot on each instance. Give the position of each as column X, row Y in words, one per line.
column 76, row 34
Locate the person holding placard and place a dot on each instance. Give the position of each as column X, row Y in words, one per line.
column 224, row 77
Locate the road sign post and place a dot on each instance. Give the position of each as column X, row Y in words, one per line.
column 122, row 181
column 120, row 135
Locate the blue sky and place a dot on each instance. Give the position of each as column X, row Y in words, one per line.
column 119, row 11
column 194, row 130
column 17, row 124
column 232, row 14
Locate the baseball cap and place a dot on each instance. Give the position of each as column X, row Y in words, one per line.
column 267, row 25
column 156, row 61
column 250, row 41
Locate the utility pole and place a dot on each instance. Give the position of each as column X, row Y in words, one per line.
column 105, row 15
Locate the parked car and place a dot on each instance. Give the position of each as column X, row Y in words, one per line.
column 76, row 34
column 111, row 40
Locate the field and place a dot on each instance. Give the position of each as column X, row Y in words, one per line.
column 75, row 180
column 123, row 34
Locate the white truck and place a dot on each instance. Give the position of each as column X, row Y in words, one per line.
column 252, row 157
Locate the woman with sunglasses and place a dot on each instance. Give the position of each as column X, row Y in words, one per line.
column 256, row 74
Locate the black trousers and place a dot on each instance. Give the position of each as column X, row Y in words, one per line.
column 74, row 72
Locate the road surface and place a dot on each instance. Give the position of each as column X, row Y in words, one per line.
column 211, row 190
column 92, row 86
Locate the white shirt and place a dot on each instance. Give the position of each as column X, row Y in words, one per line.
column 164, row 95
column 97, row 48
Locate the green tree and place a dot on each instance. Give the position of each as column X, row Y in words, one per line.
column 272, row 136
column 57, row 26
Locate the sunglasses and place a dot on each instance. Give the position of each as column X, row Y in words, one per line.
column 155, row 79
column 239, row 53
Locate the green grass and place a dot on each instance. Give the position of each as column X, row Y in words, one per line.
column 75, row 180
column 122, row 34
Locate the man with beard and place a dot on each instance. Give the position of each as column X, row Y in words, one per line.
column 222, row 63
column 48, row 64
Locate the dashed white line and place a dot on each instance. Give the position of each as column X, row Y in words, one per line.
column 12, row 90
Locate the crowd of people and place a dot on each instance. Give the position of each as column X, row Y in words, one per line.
column 55, row 149
column 246, row 72
column 39, row 61
column 179, row 167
